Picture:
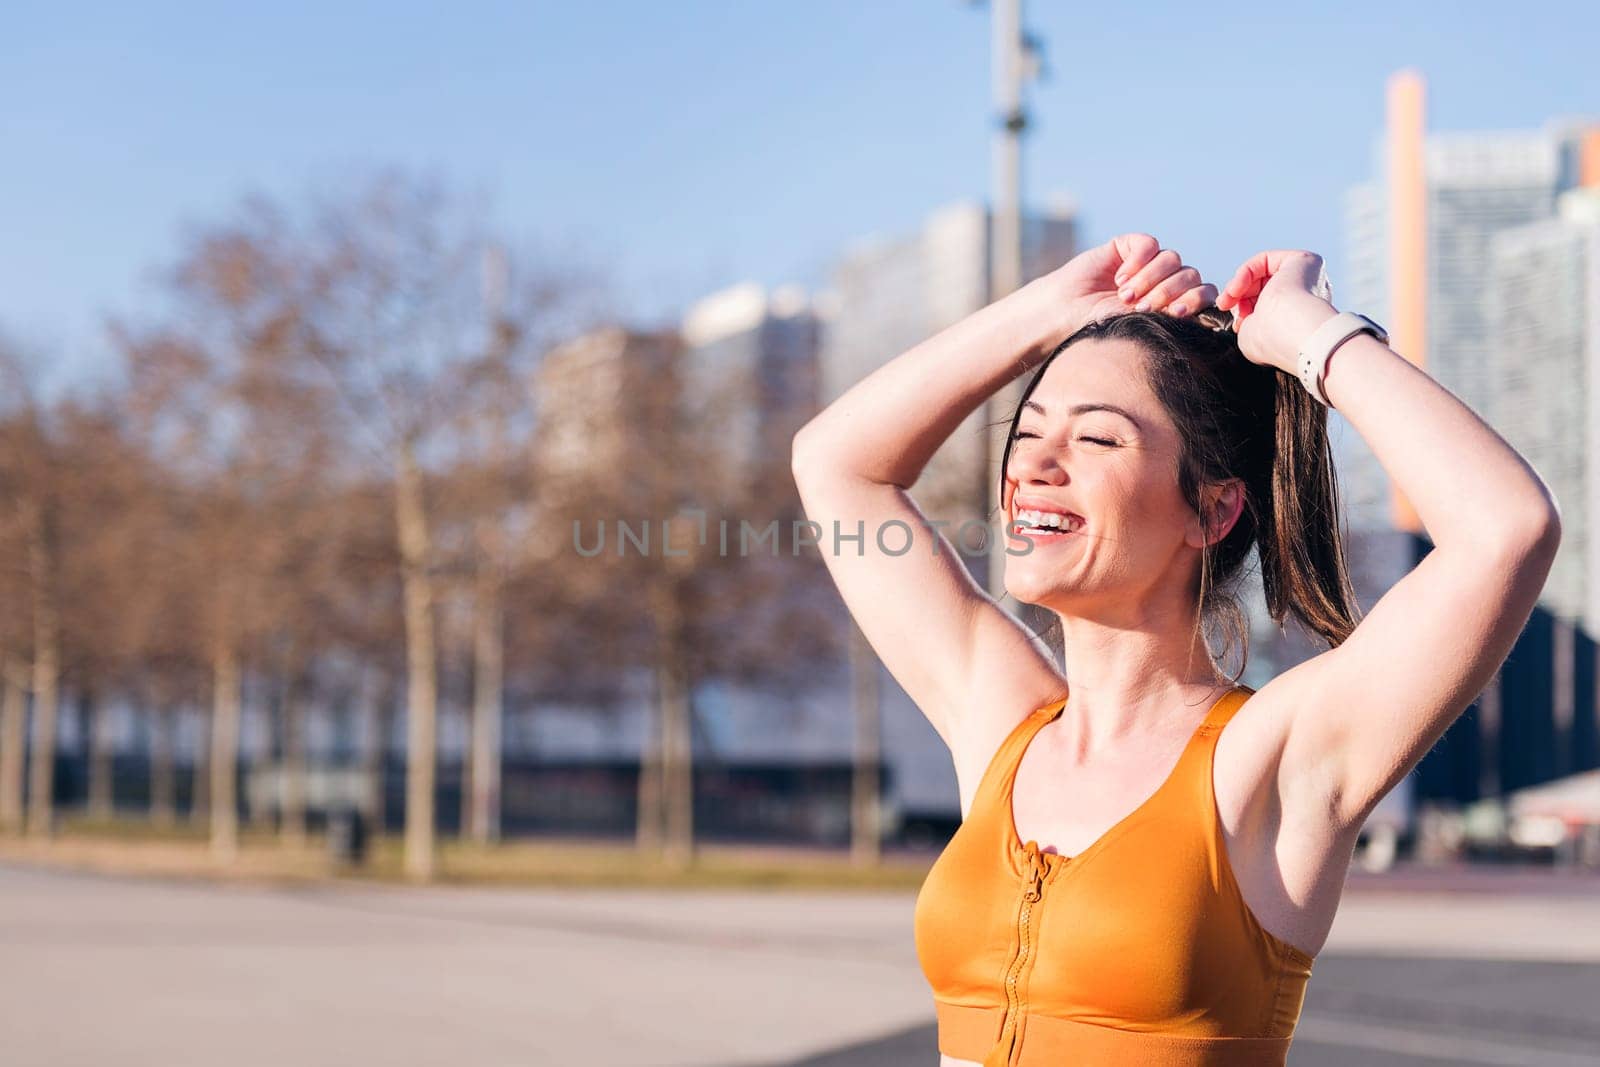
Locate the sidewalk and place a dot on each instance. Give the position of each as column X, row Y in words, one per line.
column 340, row 972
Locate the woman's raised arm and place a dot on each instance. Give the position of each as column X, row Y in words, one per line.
column 1357, row 718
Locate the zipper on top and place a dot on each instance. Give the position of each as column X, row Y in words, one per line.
column 1004, row 1052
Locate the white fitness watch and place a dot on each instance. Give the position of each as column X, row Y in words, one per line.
column 1325, row 340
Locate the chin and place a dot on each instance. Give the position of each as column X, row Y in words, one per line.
column 1034, row 589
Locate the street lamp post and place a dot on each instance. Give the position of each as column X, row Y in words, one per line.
column 1015, row 59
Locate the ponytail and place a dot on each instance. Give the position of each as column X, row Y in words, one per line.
column 1303, row 568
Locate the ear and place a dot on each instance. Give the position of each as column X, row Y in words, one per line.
column 1221, row 505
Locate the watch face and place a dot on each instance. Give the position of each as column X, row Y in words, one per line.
column 1383, row 335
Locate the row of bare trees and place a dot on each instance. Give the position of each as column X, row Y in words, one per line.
column 321, row 439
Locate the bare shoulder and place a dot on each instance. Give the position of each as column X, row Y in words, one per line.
column 1015, row 678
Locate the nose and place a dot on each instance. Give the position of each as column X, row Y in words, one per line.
column 1038, row 466
column 1050, row 473
column 1031, row 470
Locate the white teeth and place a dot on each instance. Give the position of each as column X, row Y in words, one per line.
column 1046, row 519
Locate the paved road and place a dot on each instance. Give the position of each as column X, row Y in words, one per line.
column 97, row 970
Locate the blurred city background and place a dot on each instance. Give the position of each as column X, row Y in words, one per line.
column 402, row 607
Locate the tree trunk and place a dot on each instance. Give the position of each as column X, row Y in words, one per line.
column 264, row 763
column 163, row 776
column 374, row 756
column 225, row 752
column 46, row 676
column 102, row 802
column 13, row 741
column 292, row 768
column 487, row 707
column 677, row 767
column 200, row 778
column 648, row 832
column 677, row 777
column 866, row 834
column 422, row 688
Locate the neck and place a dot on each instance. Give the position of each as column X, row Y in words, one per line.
column 1136, row 668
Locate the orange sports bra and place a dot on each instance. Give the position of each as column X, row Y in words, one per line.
column 1139, row 949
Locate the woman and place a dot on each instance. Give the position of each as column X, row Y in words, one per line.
column 1133, row 883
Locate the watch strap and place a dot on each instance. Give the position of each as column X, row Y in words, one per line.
column 1324, row 341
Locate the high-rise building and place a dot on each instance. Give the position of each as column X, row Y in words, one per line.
column 1478, row 186
column 1458, row 246
column 1544, row 311
column 1364, row 286
column 604, row 402
column 1418, row 258
column 750, row 372
column 890, row 294
column 1545, row 355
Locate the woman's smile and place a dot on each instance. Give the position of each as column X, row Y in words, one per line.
column 1042, row 535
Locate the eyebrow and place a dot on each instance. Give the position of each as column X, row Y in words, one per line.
column 1079, row 409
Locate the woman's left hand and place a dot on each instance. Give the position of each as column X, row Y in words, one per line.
column 1278, row 299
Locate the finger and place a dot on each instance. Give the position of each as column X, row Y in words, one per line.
column 1135, row 250
column 1245, row 308
column 1280, row 258
column 1250, row 277
column 1240, row 288
column 1255, row 272
column 1201, row 296
column 1169, row 289
column 1165, row 264
column 1227, row 297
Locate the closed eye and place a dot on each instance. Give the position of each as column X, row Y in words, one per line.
column 1092, row 440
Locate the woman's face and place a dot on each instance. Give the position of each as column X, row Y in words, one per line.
column 1094, row 441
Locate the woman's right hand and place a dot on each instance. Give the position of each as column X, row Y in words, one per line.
column 1127, row 273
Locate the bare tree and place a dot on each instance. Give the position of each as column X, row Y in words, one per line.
column 675, row 591
column 108, row 573
column 202, row 397
column 489, row 493
column 13, row 739
column 396, row 332
column 32, row 477
column 15, row 638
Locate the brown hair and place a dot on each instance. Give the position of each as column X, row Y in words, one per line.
column 1238, row 419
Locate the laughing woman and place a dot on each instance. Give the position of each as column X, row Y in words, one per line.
column 1151, row 854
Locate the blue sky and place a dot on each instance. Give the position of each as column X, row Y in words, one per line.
column 687, row 146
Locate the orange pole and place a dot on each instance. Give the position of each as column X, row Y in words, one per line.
column 1408, row 240
column 1589, row 158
